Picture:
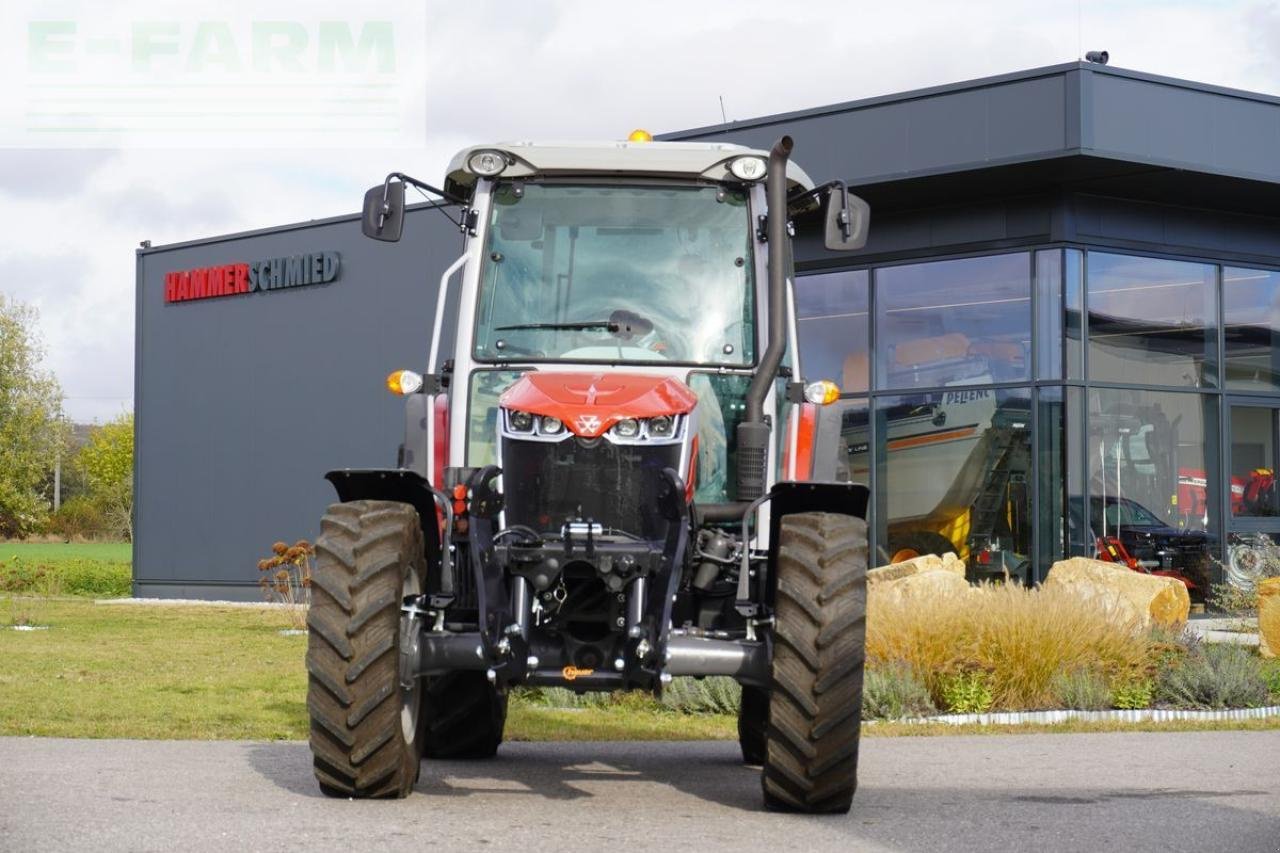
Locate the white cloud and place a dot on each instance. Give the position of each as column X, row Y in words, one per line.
column 499, row 70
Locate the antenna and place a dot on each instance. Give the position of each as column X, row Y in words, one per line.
column 722, row 115
column 1079, row 27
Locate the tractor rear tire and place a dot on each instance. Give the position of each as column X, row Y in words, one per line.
column 753, row 724
column 819, row 647
column 364, row 725
column 463, row 716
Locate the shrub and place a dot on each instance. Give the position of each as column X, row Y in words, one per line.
column 713, row 695
column 967, row 693
column 1020, row 638
column 78, row 517
column 1214, row 676
column 1230, row 599
column 1271, row 674
column 1133, row 695
column 1082, row 690
column 893, row 692
column 74, row 576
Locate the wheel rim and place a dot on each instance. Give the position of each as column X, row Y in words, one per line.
column 410, row 695
column 904, row 554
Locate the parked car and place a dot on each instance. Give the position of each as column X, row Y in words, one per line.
column 1152, row 544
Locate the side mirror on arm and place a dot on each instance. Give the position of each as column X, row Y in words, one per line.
column 383, row 215
column 848, row 219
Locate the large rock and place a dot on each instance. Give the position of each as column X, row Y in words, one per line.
column 926, row 576
column 923, row 564
column 1147, row 599
column 1269, row 617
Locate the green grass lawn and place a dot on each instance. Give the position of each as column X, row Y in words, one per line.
column 99, row 552
column 204, row 672
column 133, row 671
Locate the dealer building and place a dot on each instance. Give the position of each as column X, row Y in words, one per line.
column 1059, row 338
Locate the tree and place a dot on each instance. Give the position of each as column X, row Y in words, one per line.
column 31, row 429
column 107, row 462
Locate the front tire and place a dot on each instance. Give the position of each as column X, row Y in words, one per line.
column 364, row 723
column 819, row 647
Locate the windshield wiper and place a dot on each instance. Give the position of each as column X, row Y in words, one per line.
column 629, row 323
column 607, row 325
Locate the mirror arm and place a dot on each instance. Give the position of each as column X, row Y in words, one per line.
column 422, row 185
column 846, row 223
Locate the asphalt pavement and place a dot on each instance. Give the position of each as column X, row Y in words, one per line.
column 1204, row 792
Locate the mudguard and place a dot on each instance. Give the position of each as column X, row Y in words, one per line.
column 403, row 486
column 789, row 497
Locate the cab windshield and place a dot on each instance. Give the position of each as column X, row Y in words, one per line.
column 613, row 274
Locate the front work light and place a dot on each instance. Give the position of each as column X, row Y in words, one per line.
column 404, row 382
column 823, row 392
column 662, row 426
column 748, row 168
column 487, row 164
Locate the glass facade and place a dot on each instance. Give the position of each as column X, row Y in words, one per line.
column 947, row 323
column 1151, row 320
column 1251, row 329
column 1020, row 407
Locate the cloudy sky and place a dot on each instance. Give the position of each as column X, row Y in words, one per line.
column 72, row 217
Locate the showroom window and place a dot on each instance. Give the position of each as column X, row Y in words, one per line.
column 954, row 474
column 956, row 322
column 1153, row 460
column 1152, row 321
column 831, row 320
column 1073, row 324
column 1251, row 315
column 1049, row 314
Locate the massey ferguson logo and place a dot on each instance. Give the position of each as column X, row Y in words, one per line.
column 589, row 424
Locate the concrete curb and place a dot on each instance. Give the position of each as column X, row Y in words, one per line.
column 192, row 602
column 1018, row 718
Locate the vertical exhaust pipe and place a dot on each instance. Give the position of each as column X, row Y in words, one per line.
column 753, row 431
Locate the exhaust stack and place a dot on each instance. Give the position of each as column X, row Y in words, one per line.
column 753, row 431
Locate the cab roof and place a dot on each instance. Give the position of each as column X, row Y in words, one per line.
column 707, row 160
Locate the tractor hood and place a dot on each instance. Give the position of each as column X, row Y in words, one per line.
column 588, row 404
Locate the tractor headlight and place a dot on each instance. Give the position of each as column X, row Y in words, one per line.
column 824, row 392
column 663, row 426
column 404, row 382
column 487, row 164
column 550, row 426
column 627, row 428
column 520, row 421
column 748, row 168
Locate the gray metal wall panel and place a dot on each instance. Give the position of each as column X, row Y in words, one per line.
column 936, row 230
column 1043, row 113
column 245, row 401
column 943, row 132
column 1168, row 124
column 1177, row 230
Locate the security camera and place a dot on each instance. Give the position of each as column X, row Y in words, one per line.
column 1098, row 56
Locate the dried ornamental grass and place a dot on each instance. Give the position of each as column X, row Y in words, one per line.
column 286, row 578
column 1018, row 639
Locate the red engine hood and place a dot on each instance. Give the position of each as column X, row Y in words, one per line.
column 590, row 403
